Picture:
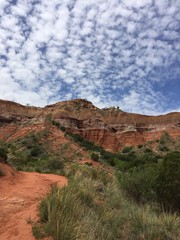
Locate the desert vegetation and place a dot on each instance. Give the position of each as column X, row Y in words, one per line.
column 3, row 150
column 30, row 153
column 152, row 179
column 132, row 195
column 138, row 199
column 100, row 211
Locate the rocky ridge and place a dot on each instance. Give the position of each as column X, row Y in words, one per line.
column 110, row 128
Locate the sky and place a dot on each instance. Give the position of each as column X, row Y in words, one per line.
column 122, row 53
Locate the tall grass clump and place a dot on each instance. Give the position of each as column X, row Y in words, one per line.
column 90, row 208
column 60, row 212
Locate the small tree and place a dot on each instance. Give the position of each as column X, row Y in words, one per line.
column 94, row 156
column 3, row 153
column 168, row 182
column 138, row 184
column 127, row 149
column 48, row 120
column 165, row 138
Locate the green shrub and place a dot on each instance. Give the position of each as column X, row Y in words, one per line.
column 90, row 146
column 128, row 157
column 37, row 169
column 138, row 184
column 100, row 212
column 168, row 182
column 58, row 125
column 147, row 150
column 163, row 148
column 127, row 149
column 148, row 158
column 62, row 128
column 3, row 153
column 94, row 156
column 38, row 231
column 44, row 133
column 36, row 151
column 55, row 164
column 19, row 168
column 165, row 138
column 29, row 154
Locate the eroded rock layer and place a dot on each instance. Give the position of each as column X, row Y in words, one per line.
column 110, row 128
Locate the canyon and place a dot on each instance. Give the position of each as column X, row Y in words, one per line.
column 111, row 128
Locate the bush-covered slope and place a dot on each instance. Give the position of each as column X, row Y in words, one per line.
column 133, row 194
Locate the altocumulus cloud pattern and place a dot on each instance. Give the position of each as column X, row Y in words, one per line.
column 111, row 52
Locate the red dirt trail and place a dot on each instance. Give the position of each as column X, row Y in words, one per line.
column 20, row 193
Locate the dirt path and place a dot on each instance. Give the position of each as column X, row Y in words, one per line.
column 20, row 194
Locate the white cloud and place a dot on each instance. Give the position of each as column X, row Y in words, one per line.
column 108, row 52
column 138, row 4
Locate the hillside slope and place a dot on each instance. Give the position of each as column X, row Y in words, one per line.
column 110, row 128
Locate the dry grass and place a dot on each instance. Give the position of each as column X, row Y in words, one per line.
column 90, row 208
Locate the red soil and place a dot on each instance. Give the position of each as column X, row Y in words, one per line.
column 90, row 161
column 20, row 193
column 22, row 132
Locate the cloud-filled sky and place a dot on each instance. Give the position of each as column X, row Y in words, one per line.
column 122, row 53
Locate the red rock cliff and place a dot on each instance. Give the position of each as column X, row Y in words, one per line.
column 111, row 128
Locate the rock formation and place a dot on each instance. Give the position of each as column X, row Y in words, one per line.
column 110, row 128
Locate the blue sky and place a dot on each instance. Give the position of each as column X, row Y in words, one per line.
column 113, row 53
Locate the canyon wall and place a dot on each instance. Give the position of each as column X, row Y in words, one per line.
column 110, row 128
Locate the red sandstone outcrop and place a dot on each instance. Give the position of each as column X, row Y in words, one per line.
column 111, row 128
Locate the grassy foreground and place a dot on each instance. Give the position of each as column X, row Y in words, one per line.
column 93, row 207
